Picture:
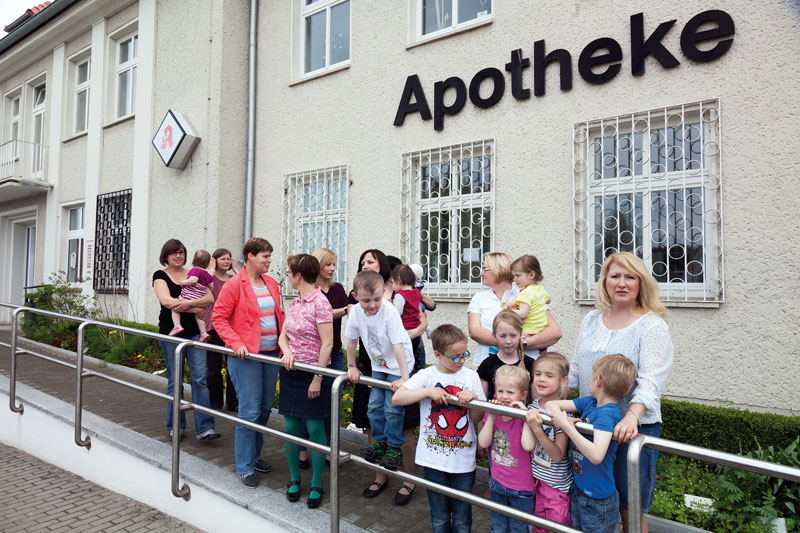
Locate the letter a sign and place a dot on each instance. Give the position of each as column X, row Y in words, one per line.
column 175, row 140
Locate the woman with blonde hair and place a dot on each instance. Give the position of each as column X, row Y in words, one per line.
column 629, row 319
column 501, row 292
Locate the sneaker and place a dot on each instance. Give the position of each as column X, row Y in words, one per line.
column 208, row 434
column 180, row 435
column 374, row 452
column 176, row 330
column 204, row 337
column 262, row 466
column 392, row 459
column 250, row 480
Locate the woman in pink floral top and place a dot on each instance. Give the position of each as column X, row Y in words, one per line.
column 306, row 337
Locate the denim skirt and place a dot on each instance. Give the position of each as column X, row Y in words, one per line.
column 293, row 397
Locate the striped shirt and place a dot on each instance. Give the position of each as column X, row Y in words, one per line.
column 557, row 475
column 269, row 324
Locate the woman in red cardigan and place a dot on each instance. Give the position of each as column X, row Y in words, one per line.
column 248, row 317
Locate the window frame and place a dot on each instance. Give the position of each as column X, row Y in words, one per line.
column 38, row 112
column 114, row 216
column 78, row 234
column 129, row 66
column 296, row 215
column 80, row 88
column 415, row 207
column 416, row 35
column 15, row 122
column 701, row 178
column 302, row 12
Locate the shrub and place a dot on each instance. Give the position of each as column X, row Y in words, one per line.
column 724, row 428
column 58, row 296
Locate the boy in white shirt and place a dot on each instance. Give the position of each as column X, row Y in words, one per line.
column 447, row 440
column 388, row 345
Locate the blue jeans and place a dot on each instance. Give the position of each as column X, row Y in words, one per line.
column 385, row 419
column 450, row 515
column 336, row 363
column 518, row 499
column 255, row 389
column 593, row 515
column 197, row 374
column 647, row 469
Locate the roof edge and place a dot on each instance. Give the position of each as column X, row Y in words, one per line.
column 33, row 23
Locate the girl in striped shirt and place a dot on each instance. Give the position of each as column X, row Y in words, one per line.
column 550, row 463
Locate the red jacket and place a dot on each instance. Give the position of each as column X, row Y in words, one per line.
column 236, row 317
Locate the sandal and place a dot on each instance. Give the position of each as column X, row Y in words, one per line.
column 403, row 499
column 313, row 503
column 292, row 496
column 370, row 493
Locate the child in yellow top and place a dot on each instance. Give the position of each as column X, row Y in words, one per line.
column 533, row 297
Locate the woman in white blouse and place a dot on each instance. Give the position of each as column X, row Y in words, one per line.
column 629, row 319
column 484, row 306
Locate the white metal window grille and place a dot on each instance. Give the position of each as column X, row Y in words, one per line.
column 127, row 54
column 14, row 126
column 39, row 98
column 650, row 183
column 326, row 33
column 440, row 15
column 315, row 214
column 112, row 242
column 448, row 214
column 75, row 236
column 82, row 74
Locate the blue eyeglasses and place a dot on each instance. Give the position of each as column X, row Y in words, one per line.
column 457, row 358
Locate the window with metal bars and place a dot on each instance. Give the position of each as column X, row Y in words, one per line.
column 650, row 183
column 315, row 214
column 112, row 242
column 447, row 214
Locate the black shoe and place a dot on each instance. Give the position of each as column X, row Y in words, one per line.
column 304, row 464
column 250, row 480
column 262, row 466
column 313, row 503
column 370, row 493
column 208, row 434
column 401, row 498
column 392, row 459
column 374, row 452
column 180, row 435
column 292, row 496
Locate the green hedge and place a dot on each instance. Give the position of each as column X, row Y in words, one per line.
column 724, row 428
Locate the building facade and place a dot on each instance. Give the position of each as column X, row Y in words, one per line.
column 435, row 130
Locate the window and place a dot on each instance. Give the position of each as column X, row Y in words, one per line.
column 82, row 75
column 75, row 234
column 442, row 17
column 315, row 214
column 649, row 183
column 39, row 98
column 13, row 134
column 112, row 242
column 324, row 27
column 127, row 52
column 447, row 214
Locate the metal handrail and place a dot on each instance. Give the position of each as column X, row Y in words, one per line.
column 638, row 444
column 178, row 404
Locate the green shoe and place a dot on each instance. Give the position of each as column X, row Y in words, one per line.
column 392, row 459
column 374, row 452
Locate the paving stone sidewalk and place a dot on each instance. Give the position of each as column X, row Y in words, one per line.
column 147, row 415
column 37, row 496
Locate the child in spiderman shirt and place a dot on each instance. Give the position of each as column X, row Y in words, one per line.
column 447, row 440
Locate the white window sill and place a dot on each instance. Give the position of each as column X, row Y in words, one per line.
column 448, row 32
column 120, row 120
column 321, row 72
column 76, row 136
column 675, row 304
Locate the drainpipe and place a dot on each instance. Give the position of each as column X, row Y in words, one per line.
column 251, row 124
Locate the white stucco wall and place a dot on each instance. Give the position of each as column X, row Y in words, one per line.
column 743, row 351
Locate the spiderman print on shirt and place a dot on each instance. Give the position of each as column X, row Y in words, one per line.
column 450, row 422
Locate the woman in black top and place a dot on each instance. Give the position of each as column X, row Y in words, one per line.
column 168, row 292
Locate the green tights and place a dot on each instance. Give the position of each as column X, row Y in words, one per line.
column 316, row 431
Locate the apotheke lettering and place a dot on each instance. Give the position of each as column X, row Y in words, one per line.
column 599, row 62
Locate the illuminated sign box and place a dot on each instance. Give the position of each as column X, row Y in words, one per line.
column 175, row 140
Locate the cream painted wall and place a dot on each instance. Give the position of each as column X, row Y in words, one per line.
column 744, row 352
column 116, row 162
column 72, row 184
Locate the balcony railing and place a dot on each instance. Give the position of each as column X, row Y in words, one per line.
column 22, row 160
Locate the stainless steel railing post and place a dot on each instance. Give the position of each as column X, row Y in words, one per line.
column 635, row 447
column 177, row 387
column 336, row 398
column 87, row 442
column 12, row 386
